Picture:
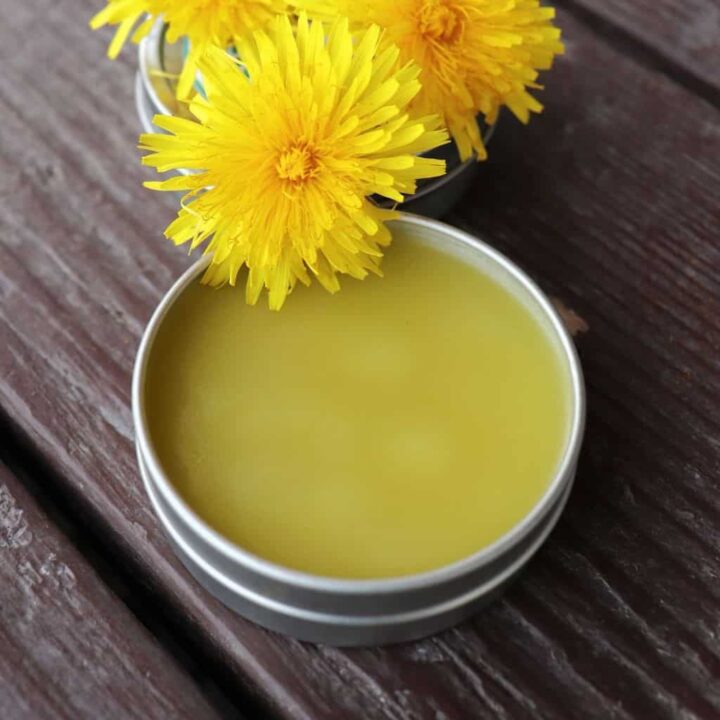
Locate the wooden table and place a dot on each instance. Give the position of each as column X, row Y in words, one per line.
column 610, row 199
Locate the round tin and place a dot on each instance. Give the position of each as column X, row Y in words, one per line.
column 364, row 612
column 160, row 61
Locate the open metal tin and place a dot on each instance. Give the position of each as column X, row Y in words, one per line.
column 365, row 612
column 161, row 61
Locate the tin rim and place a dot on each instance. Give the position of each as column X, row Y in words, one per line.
column 448, row 177
column 152, row 42
column 415, row 581
column 298, row 612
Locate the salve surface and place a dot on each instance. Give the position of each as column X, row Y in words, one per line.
column 398, row 426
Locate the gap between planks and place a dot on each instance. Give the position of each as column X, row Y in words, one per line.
column 643, row 53
column 31, row 470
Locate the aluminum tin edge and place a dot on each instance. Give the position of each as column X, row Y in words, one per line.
column 386, row 585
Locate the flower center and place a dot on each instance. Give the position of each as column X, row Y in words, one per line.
column 297, row 163
column 441, row 20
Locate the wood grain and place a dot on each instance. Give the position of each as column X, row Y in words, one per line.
column 685, row 33
column 70, row 649
column 613, row 212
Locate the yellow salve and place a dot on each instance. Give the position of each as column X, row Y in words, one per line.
column 398, row 426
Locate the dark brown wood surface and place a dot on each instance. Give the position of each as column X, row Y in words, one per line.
column 683, row 37
column 610, row 199
column 70, row 648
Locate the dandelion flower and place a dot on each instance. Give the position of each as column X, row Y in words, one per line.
column 284, row 160
column 202, row 22
column 475, row 55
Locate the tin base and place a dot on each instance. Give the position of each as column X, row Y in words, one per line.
column 364, row 612
column 342, row 630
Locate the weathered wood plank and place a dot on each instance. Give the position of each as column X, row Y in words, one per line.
column 70, row 648
column 686, row 33
column 617, row 617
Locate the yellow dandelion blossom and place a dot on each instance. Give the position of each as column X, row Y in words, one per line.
column 284, row 161
column 202, row 22
column 475, row 55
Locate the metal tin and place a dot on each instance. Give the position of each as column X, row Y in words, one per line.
column 364, row 612
column 159, row 61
